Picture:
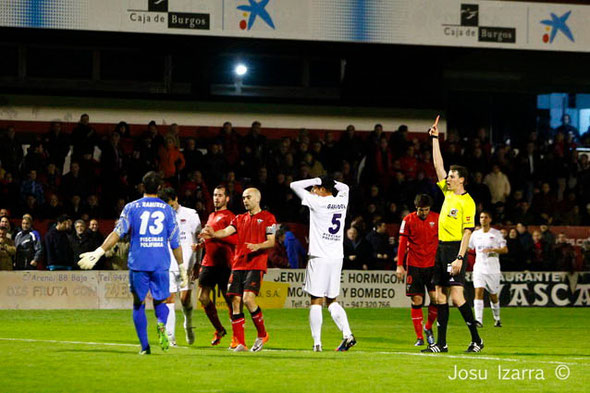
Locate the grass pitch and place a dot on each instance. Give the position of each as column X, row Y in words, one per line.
column 96, row 351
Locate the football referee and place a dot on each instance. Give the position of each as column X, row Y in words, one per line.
column 455, row 225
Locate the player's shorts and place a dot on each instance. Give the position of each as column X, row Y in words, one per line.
column 419, row 278
column 157, row 282
column 446, row 253
column 322, row 277
column 490, row 282
column 241, row 281
column 176, row 281
column 210, row 276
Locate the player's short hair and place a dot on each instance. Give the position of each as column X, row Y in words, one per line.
column 489, row 213
column 461, row 171
column 168, row 194
column 328, row 183
column 222, row 187
column 151, row 181
column 423, row 200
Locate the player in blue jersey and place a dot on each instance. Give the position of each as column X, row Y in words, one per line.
column 152, row 225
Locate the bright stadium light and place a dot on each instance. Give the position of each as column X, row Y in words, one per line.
column 241, row 70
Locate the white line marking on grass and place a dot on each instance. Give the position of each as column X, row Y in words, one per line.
column 31, row 340
column 474, row 357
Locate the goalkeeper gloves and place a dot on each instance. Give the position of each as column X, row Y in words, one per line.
column 183, row 276
column 89, row 259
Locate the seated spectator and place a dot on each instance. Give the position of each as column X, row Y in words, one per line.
column 73, row 183
column 171, row 160
column 52, row 209
column 316, row 169
column 7, row 250
column 524, row 214
column 409, row 164
column 498, row 184
column 51, row 179
column 92, row 208
column 391, row 215
column 36, row 158
column 58, row 250
column 74, row 208
column 29, row 249
column 356, row 251
column 381, row 250
column 193, row 157
column 544, row 203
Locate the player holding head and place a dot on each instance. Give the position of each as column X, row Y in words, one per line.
column 488, row 244
column 189, row 225
column 152, row 226
column 418, row 240
column 256, row 235
column 327, row 214
column 455, row 225
column 216, row 266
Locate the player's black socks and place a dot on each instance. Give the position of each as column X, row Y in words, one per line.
column 235, row 317
column 255, row 312
column 467, row 314
column 443, row 320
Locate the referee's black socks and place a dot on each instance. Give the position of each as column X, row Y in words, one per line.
column 442, row 320
column 467, row 314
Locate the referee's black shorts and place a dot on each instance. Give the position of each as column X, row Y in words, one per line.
column 446, row 253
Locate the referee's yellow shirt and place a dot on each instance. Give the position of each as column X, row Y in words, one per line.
column 456, row 215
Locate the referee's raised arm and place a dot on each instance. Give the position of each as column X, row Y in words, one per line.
column 436, row 154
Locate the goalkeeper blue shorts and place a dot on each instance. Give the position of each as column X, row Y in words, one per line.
column 158, row 282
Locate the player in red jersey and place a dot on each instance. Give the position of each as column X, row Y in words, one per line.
column 216, row 265
column 256, row 235
column 418, row 241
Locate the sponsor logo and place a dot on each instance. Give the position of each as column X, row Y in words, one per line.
column 158, row 13
column 253, row 11
column 431, row 224
column 469, row 27
column 453, row 213
column 555, row 25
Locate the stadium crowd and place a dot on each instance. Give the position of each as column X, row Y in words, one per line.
column 541, row 180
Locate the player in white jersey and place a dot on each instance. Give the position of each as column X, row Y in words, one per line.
column 327, row 214
column 488, row 244
column 189, row 225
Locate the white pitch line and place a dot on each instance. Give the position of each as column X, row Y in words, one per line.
column 474, row 357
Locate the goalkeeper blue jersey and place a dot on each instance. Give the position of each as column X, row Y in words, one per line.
column 152, row 225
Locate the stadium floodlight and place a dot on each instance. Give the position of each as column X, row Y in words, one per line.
column 241, row 69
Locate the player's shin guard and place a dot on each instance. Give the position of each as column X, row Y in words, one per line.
column 237, row 325
column 259, row 322
column 443, row 320
column 495, row 310
column 171, row 322
column 161, row 311
column 315, row 323
column 417, row 319
column 432, row 313
column 467, row 314
column 211, row 312
column 140, row 321
column 340, row 319
column 478, row 307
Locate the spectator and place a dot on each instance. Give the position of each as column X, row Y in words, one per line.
column 566, row 127
column 381, row 249
column 36, row 158
column 524, row 214
column 50, row 178
column 525, row 238
column 11, row 151
column 498, row 184
column 565, row 255
column 74, row 183
column 152, row 140
column 295, row 251
column 513, row 260
column 79, row 241
column 29, row 249
column 277, row 257
column 7, row 250
column 117, row 256
column 9, row 192
column 57, row 246
column 409, row 163
column 479, row 191
column 171, row 160
column 53, row 208
column 216, row 164
column 350, row 146
column 391, row 215
column 256, row 141
column 5, row 223
column 194, row 159
column 174, row 133
column 356, row 251
column 539, row 253
column 544, row 203
column 230, row 141
column 32, row 187
column 57, row 145
column 84, row 138
column 96, row 238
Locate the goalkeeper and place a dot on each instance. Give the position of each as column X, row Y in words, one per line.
column 152, row 225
